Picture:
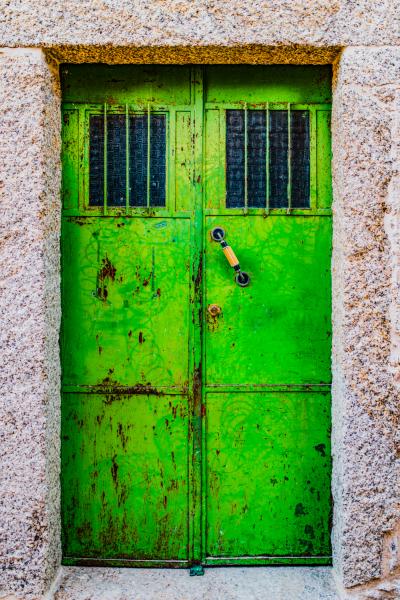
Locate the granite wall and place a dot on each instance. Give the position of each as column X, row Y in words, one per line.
column 30, row 316
column 362, row 40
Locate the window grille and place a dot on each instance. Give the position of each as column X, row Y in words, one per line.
column 127, row 160
column 267, row 159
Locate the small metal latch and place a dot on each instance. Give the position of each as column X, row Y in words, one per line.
column 196, row 570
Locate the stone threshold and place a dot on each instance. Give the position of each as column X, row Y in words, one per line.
column 227, row 583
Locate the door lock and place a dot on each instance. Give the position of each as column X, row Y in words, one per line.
column 214, row 310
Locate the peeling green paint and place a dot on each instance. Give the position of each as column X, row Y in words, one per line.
column 190, row 438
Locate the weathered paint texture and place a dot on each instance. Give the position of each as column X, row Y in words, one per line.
column 127, row 313
column 30, row 372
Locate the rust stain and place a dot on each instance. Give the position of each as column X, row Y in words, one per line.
column 123, row 495
column 114, row 470
column 116, row 392
column 199, row 275
column 174, row 485
column 80, row 220
column 85, row 531
column 106, row 273
column 321, row 449
column 141, row 338
column 108, row 270
column 212, row 319
column 121, row 435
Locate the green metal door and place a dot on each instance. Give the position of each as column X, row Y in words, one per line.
column 196, row 411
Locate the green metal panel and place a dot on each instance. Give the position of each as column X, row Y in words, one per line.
column 189, row 438
column 272, row 83
column 126, row 309
column 126, row 83
column 70, row 158
column 277, row 330
column 125, row 477
column 268, row 474
column 323, row 159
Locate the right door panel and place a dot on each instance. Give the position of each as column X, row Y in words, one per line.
column 268, row 474
column 267, row 346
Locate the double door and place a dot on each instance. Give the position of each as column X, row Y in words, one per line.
column 196, row 392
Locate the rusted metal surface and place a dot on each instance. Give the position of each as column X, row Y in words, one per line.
column 196, row 412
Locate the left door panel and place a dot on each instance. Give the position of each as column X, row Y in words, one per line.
column 127, row 315
column 125, row 414
column 125, row 478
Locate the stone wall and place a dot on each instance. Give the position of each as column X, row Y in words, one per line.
column 366, row 309
column 30, row 315
column 366, row 253
column 112, row 23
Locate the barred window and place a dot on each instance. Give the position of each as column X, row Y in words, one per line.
column 127, row 160
column 267, row 159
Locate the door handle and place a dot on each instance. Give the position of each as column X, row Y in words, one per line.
column 241, row 278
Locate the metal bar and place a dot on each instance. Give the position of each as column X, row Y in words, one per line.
column 125, row 562
column 246, row 200
column 171, row 200
column 267, row 156
column 197, row 496
column 127, row 157
column 267, row 560
column 289, row 161
column 148, row 156
column 313, row 148
column 105, row 159
column 125, row 389
column 222, row 189
column 265, row 388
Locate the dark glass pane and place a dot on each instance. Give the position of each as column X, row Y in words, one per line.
column 138, row 160
column 278, row 158
column 157, row 160
column 300, row 158
column 234, row 158
column 256, row 157
column 96, row 160
column 116, row 160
